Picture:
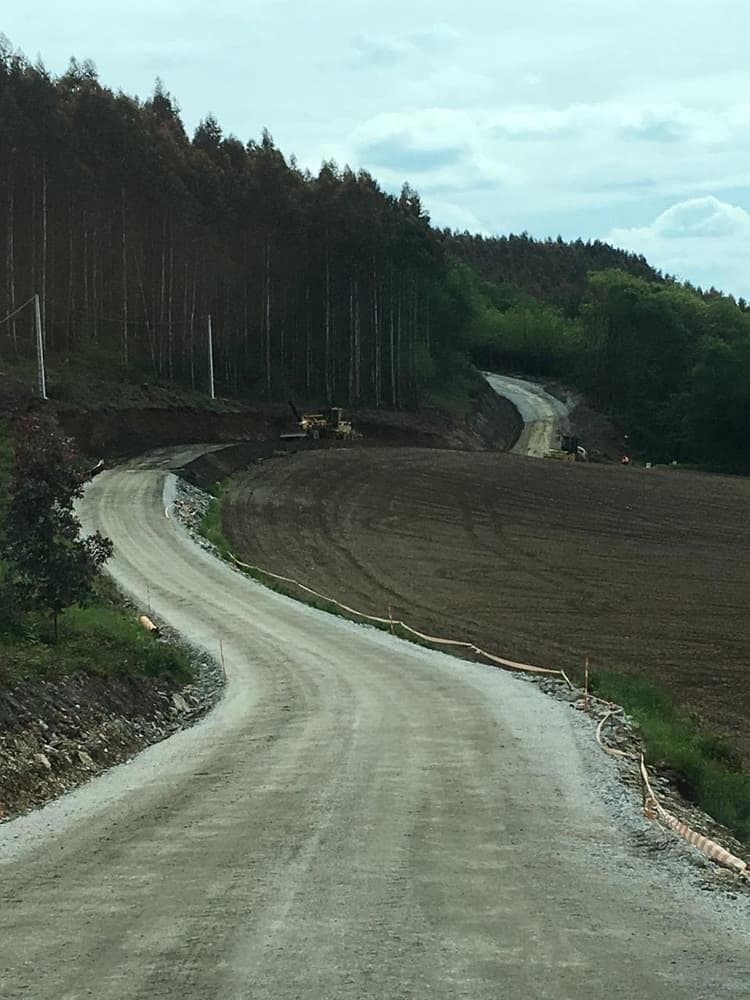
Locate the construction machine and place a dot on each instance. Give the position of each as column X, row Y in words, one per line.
column 328, row 423
column 569, row 451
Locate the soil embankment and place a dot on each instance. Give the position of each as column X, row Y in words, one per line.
column 494, row 425
column 641, row 570
column 57, row 733
column 120, row 432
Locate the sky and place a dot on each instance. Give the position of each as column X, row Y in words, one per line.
column 625, row 122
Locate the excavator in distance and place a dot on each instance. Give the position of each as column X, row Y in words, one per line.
column 328, row 423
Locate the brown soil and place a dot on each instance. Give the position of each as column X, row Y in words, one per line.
column 642, row 570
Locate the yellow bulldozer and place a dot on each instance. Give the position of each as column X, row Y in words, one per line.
column 569, row 451
column 328, row 423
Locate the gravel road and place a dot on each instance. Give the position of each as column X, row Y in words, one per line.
column 544, row 416
column 358, row 818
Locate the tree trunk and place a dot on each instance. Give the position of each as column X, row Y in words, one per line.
column 267, row 317
column 150, row 332
column 11, row 261
column 192, row 328
column 44, row 254
column 94, row 289
column 327, row 359
column 392, row 332
column 86, row 275
column 399, row 386
column 308, row 342
column 357, row 345
column 351, row 342
column 71, row 283
column 376, row 335
column 170, row 323
column 125, row 344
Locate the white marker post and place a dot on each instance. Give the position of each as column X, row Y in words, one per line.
column 39, row 348
column 212, row 393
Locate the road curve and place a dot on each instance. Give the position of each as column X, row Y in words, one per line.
column 358, row 818
column 544, row 416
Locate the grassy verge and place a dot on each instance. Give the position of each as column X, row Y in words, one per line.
column 707, row 770
column 211, row 527
column 102, row 639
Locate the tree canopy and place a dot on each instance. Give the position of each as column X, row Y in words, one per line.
column 48, row 566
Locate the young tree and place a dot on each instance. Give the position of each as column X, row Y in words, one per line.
column 49, row 566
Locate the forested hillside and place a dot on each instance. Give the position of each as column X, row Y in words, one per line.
column 552, row 270
column 133, row 234
column 671, row 365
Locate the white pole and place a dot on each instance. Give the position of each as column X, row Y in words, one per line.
column 40, row 348
column 211, row 361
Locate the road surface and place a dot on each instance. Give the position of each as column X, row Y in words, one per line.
column 544, row 416
column 358, row 818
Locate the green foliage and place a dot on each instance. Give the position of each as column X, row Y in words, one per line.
column 551, row 271
column 707, row 769
column 211, row 526
column 669, row 364
column 6, row 462
column 48, row 567
column 96, row 640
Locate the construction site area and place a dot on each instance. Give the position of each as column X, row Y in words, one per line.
column 641, row 570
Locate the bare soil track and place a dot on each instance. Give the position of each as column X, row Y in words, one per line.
column 642, row 570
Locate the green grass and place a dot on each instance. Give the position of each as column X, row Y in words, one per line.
column 211, row 526
column 99, row 640
column 708, row 771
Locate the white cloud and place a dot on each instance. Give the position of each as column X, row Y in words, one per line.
column 703, row 240
column 550, row 117
column 447, row 214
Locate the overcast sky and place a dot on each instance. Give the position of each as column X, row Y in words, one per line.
column 628, row 122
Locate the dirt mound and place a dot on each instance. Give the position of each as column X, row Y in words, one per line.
column 642, row 570
column 122, row 431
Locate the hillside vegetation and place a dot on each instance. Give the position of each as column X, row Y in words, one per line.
column 99, row 638
column 323, row 286
column 670, row 364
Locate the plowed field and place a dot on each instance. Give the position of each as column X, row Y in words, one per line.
column 642, row 570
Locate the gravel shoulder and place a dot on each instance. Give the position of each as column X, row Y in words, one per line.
column 358, row 817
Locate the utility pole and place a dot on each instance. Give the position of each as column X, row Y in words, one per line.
column 211, row 361
column 41, row 378
column 40, row 348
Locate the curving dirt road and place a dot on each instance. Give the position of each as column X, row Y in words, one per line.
column 544, row 416
column 358, row 818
